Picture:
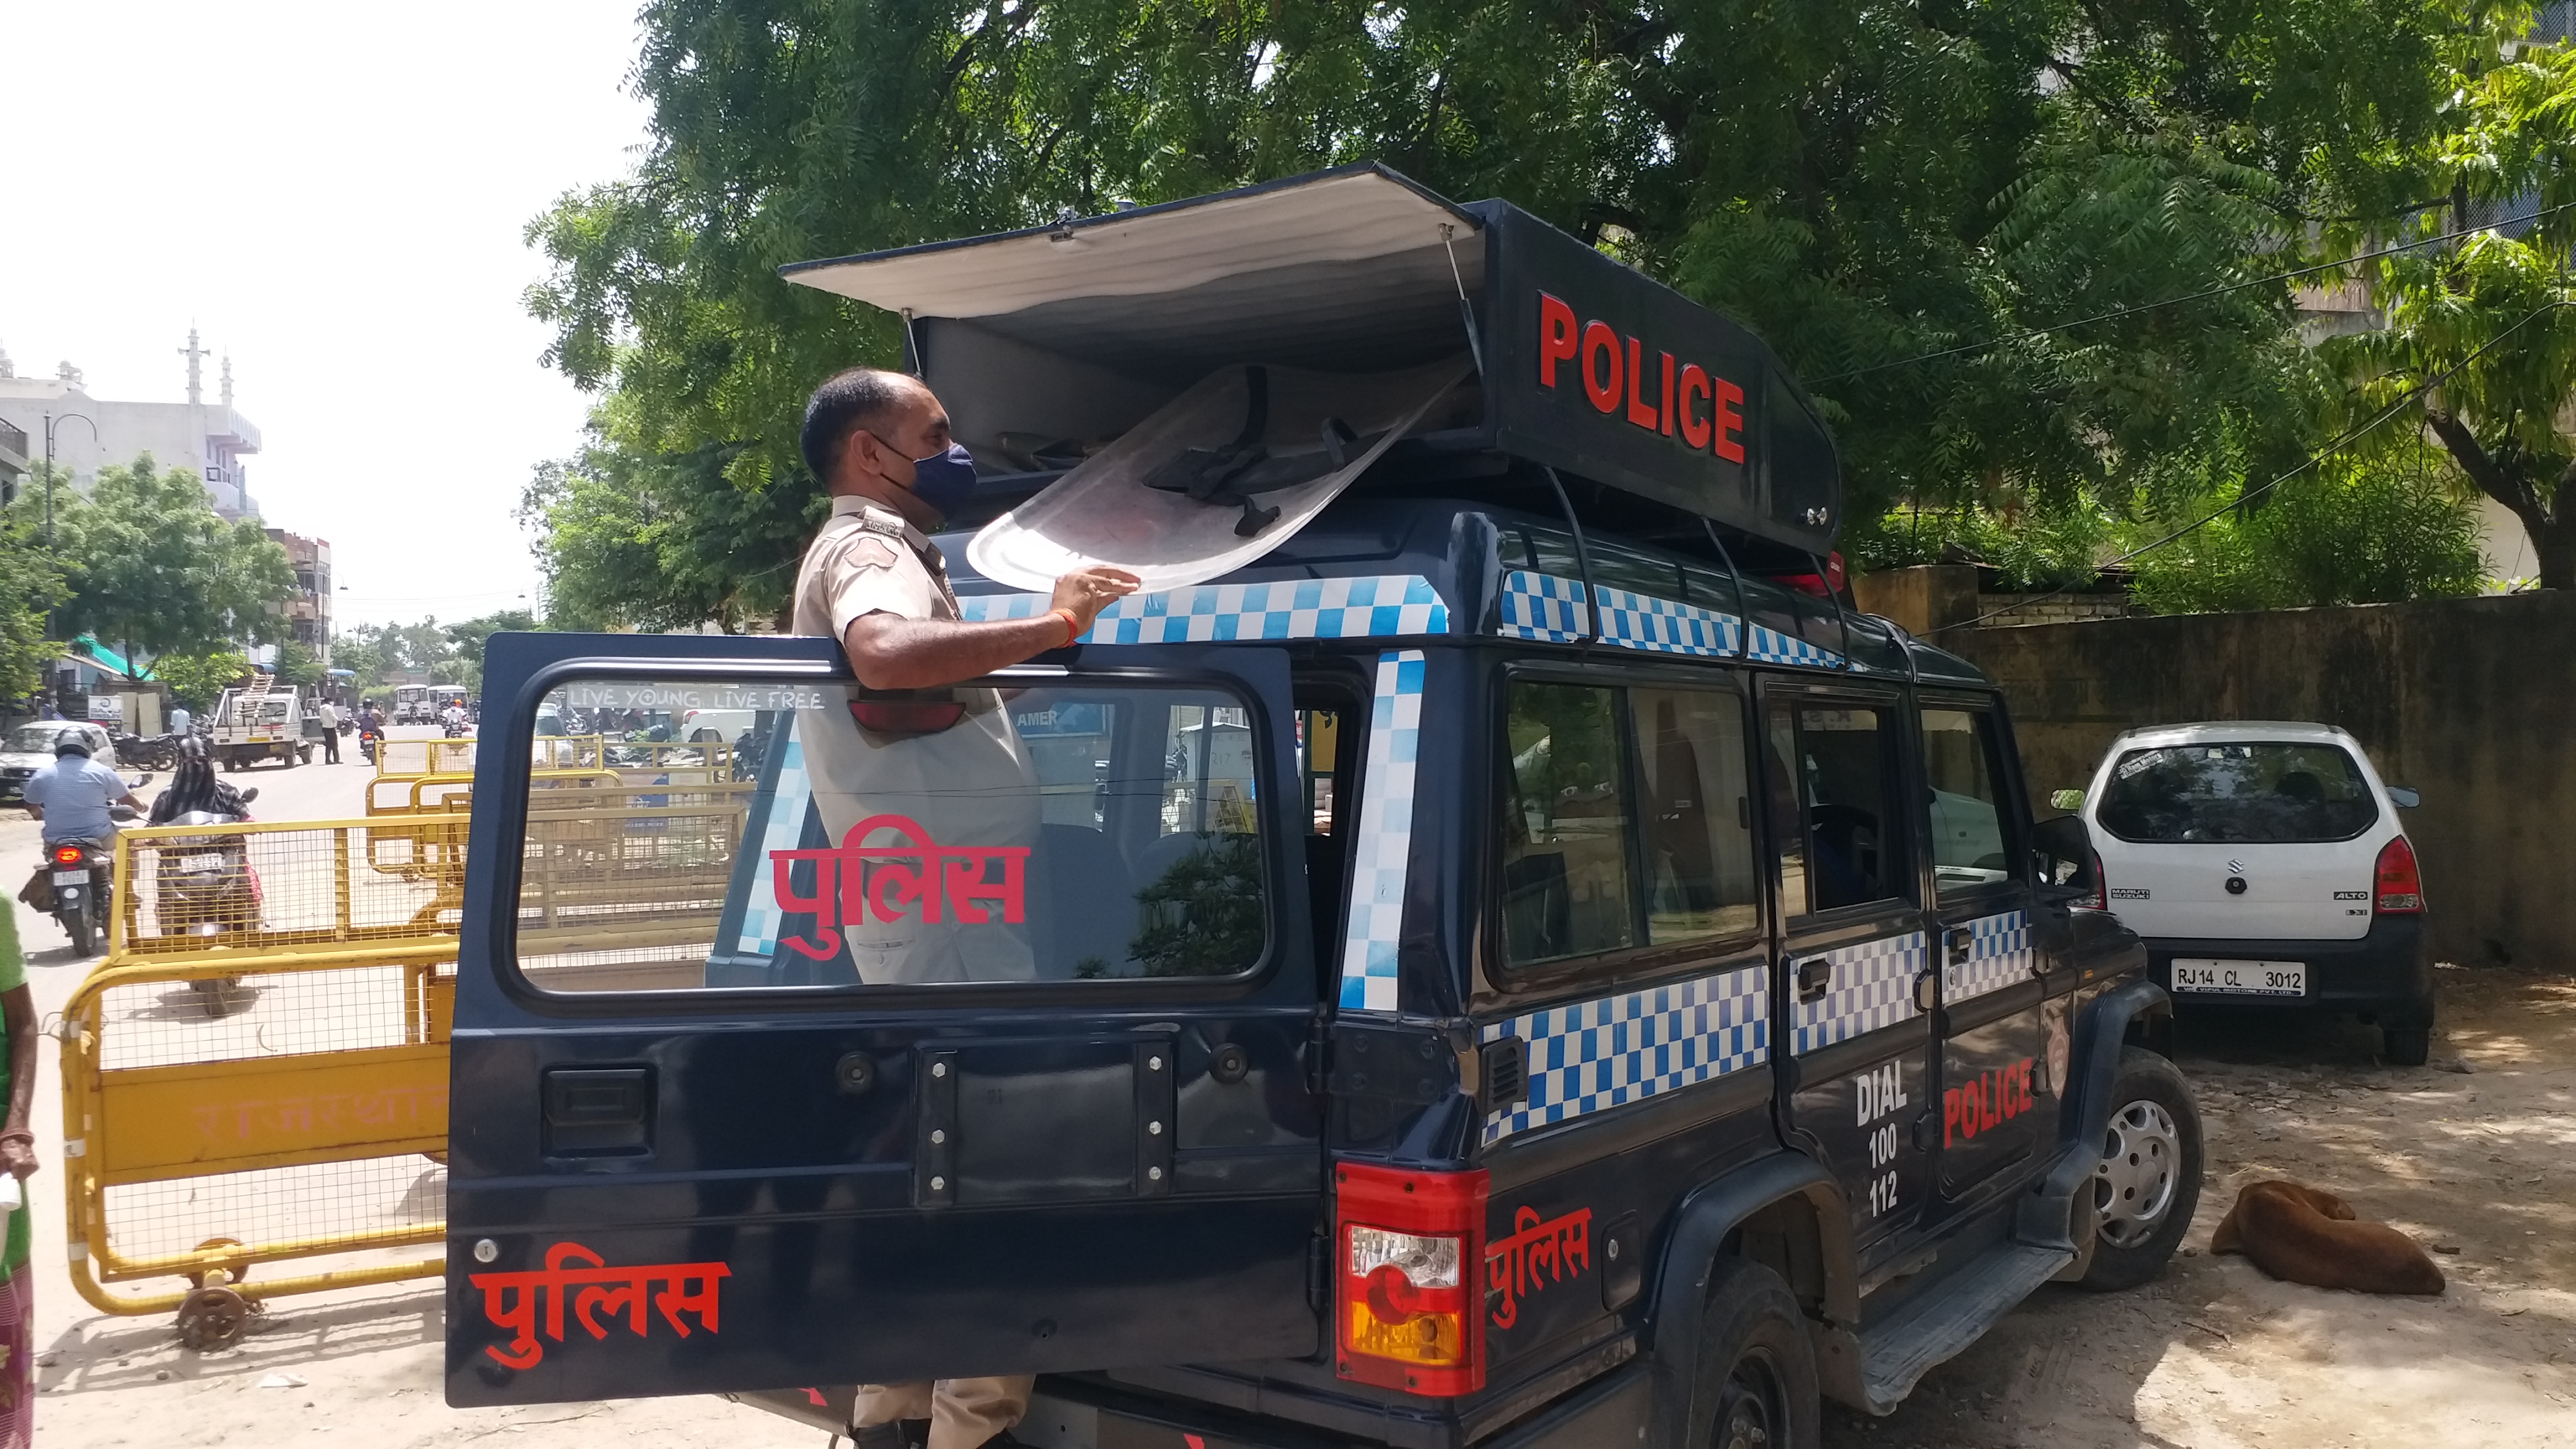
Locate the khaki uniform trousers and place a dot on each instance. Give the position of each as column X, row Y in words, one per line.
column 963, row 1413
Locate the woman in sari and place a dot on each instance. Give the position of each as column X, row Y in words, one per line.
column 17, row 1158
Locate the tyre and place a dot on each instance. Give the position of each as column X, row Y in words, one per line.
column 1756, row 1379
column 2406, row 1046
column 2147, row 1184
column 84, row 932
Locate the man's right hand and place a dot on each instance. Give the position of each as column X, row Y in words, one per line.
column 1083, row 593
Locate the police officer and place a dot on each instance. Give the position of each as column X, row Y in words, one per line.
column 872, row 579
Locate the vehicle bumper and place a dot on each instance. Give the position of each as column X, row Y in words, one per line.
column 2387, row 975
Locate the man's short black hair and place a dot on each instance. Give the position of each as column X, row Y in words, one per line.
column 848, row 400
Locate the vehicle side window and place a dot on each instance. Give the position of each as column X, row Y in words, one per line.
column 1855, row 850
column 1565, row 850
column 1971, row 848
column 1700, row 879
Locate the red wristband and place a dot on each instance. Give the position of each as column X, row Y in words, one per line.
column 1072, row 627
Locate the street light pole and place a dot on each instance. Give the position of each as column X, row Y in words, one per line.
column 49, row 466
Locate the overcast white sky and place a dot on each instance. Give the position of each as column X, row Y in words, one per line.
column 334, row 194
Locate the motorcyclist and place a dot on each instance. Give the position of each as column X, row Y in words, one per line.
column 194, row 787
column 454, row 715
column 74, row 794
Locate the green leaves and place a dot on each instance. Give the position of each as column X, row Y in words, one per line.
column 150, row 569
column 1866, row 185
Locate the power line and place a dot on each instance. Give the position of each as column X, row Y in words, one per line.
column 2204, row 295
column 2313, row 459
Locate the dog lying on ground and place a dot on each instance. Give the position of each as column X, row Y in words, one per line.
column 2307, row 1236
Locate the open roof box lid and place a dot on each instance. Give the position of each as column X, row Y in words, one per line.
column 1125, row 351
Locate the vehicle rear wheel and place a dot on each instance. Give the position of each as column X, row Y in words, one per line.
column 2406, row 1046
column 2147, row 1184
column 84, row 932
column 1756, row 1383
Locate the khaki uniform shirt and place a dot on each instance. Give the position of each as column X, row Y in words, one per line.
column 970, row 784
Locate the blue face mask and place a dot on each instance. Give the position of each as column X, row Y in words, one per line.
column 944, row 480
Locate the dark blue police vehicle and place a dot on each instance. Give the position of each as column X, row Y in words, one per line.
column 1519, row 961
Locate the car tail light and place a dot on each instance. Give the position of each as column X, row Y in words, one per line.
column 1409, row 1278
column 69, row 855
column 2399, row 890
column 906, row 716
column 2100, row 900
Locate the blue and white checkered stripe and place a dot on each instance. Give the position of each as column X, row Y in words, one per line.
column 1999, row 955
column 1541, row 606
column 1595, row 1055
column 1872, row 986
column 784, row 828
column 1551, row 607
column 1642, row 621
column 1384, row 843
column 1378, row 606
column 1770, row 646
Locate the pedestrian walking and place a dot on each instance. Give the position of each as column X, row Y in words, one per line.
column 17, row 1158
column 330, row 733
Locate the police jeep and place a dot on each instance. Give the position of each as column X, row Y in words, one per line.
column 1510, row 958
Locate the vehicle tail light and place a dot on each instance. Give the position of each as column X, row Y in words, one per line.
column 906, row 716
column 69, row 855
column 1409, row 1278
column 2100, row 900
column 2399, row 890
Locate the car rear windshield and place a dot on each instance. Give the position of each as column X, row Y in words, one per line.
column 1074, row 830
column 2254, row 793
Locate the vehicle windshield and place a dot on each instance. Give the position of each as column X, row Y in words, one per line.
column 2250, row 793
column 1076, row 831
column 34, row 739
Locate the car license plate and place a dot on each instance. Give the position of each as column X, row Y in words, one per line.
column 2241, row 978
column 214, row 861
column 71, row 877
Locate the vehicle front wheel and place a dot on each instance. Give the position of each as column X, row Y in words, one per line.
column 1756, row 1383
column 2147, row 1184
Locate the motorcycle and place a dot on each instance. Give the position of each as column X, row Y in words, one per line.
column 157, row 752
column 82, row 876
column 369, row 740
column 206, row 890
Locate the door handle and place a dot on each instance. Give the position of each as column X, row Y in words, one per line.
column 1815, row 978
column 595, row 1111
column 1961, row 939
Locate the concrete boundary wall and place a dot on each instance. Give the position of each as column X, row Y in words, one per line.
column 2471, row 701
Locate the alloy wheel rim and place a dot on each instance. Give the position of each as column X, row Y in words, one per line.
column 2133, row 1185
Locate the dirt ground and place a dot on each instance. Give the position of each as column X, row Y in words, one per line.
column 2475, row 1156
column 2479, row 1163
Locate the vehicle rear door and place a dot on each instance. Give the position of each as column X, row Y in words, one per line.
column 2241, row 839
column 1996, row 1106
column 1854, row 974
column 889, row 1040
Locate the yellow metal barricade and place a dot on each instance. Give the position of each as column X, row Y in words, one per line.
column 257, row 1074
column 409, row 758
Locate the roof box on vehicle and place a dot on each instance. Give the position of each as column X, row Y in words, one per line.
column 1046, row 344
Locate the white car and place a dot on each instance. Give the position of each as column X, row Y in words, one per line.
column 30, row 747
column 2264, row 864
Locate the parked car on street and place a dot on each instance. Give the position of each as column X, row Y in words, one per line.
column 2264, row 864
column 30, row 747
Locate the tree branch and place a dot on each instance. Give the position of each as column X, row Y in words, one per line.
column 2494, row 477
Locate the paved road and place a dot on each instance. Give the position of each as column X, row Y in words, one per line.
column 364, row 1364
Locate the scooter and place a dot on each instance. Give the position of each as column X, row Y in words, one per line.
column 207, row 890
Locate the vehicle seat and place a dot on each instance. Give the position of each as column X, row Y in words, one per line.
column 1087, row 900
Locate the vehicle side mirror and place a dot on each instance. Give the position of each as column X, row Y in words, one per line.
column 2069, row 801
column 2062, row 849
column 250, row 794
column 2404, row 798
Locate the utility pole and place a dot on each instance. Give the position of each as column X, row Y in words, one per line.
column 50, row 420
